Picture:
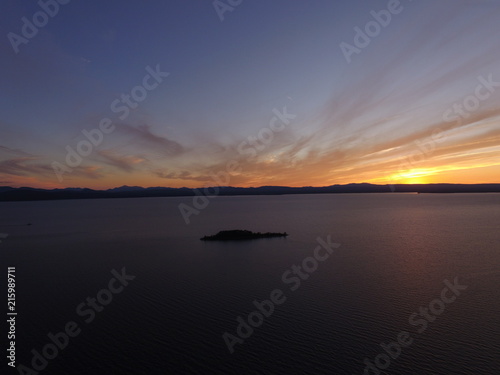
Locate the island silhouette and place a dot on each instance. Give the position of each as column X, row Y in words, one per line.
column 239, row 234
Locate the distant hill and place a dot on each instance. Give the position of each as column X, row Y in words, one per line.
column 31, row 194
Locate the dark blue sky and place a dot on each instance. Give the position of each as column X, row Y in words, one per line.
column 354, row 121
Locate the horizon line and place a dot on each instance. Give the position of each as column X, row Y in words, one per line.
column 251, row 187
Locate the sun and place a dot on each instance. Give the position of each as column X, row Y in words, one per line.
column 413, row 176
column 417, row 180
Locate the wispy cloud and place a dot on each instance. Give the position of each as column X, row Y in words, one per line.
column 142, row 138
column 38, row 168
column 127, row 163
column 182, row 175
column 16, row 152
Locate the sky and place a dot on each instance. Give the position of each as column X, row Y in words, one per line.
column 187, row 93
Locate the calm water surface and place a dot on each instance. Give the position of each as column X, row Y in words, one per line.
column 396, row 251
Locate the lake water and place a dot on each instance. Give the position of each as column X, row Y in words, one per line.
column 396, row 253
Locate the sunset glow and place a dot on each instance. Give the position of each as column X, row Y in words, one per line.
column 422, row 108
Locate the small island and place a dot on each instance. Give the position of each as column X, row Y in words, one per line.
column 236, row 235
